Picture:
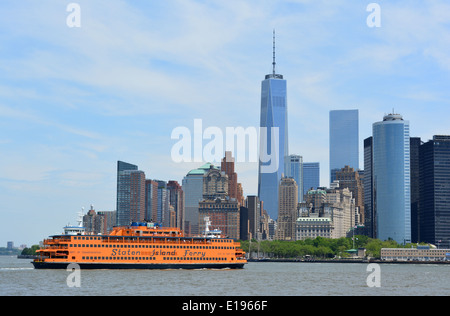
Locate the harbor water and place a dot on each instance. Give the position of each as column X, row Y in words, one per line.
column 19, row 278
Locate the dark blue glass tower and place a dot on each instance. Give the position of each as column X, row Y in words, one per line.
column 344, row 141
column 273, row 139
column 434, row 205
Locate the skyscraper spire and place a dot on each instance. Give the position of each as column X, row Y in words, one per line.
column 274, row 74
column 274, row 63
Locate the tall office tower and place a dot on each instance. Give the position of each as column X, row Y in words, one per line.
column 151, row 200
column 311, row 177
column 192, row 186
column 176, row 199
column 254, row 216
column 434, row 205
column 244, row 226
column 415, row 143
column 240, row 194
column 369, row 215
column 349, row 178
column 294, row 169
column 344, row 141
column 122, row 194
column 130, row 194
column 391, row 178
column 273, row 138
column 227, row 166
column 163, row 211
column 287, row 209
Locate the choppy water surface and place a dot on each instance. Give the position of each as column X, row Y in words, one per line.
column 17, row 277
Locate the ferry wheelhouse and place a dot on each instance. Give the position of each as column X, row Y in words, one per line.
column 139, row 246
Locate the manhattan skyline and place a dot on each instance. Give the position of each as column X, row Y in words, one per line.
column 74, row 101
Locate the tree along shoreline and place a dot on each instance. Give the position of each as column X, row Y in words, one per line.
column 320, row 247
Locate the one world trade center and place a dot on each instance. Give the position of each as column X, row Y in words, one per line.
column 273, row 142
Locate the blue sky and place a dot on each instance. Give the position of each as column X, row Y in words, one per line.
column 73, row 101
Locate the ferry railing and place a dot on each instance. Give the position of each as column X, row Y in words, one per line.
column 56, row 248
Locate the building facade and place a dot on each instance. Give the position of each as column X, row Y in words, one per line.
column 192, row 186
column 294, row 169
column 369, row 216
column 224, row 214
column 151, row 200
column 328, row 213
column 253, row 206
column 176, row 200
column 313, row 227
column 130, row 194
column 350, row 178
column 391, row 178
column 344, row 141
column 287, row 209
column 215, row 184
column 99, row 222
column 434, row 205
column 163, row 205
column 227, row 165
column 415, row 143
column 421, row 253
column 311, row 177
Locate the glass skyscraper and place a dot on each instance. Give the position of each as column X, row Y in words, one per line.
column 391, row 179
column 273, row 139
column 311, row 176
column 294, row 169
column 344, row 141
column 369, row 215
column 130, row 194
column 434, row 205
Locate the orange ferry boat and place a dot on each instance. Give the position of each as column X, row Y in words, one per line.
column 139, row 246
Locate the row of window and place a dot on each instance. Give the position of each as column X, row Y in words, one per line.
column 153, row 258
column 119, row 258
column 126, row 239
column 146, row 246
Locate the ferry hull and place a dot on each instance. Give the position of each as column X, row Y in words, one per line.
column 137, row 266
